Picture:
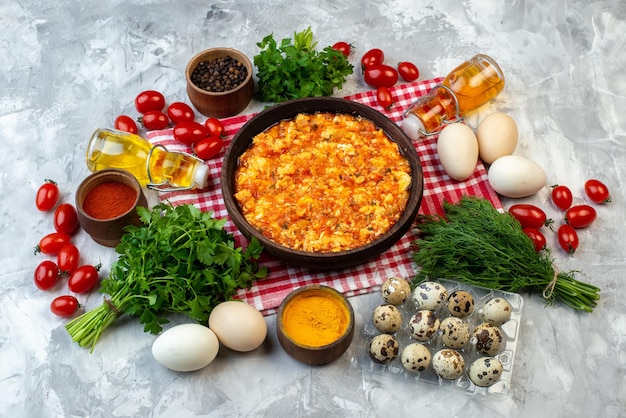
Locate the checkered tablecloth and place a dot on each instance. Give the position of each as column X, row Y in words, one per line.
column 267, row 294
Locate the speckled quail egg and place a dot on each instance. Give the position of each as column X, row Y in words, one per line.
column 496, row 311
column 448, row 364
column 485, row 371
column 387, row 318
column 416, row 357
column 384, row 348
column 460, row 303
column 455, row 332
column 395, row 290
column 488, row 338
column 430, row 295
column 423, row 324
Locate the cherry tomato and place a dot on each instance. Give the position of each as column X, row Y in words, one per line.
column 372, row 57
column 562, row 197
column 214, row 126
column 179, row 112
column 149, row 100
column 65, row 218
column 154, row 120
column 408, row 71
column 83, row 279
column 343, row 47
column 529, row 216
column 189, row 132
column 126, row 124
column 46, row 274
column 208, row 147
column 538, row 239
column 597, row 191
column 68, row 258
column 380, row 76
column 52, row 243
column 568, row 238
column 64, row 306
column 580, row 216
column 384, row 97
column 47, row 195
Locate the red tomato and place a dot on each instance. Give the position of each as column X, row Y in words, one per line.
column 47, row 195
column 580, row 216
column 52, row 243
column 189, row 132
column 384, row 97
column 372, row 57
column 154, row 120
column 179, row 112
column 568, row 238
column 46, row 275
column 149, row 100
column 83, row 279
column 68, row 258
column 208, row 147
column 343, row 47
column 597, row 191
column 65, row 218
column 408, row 71
column 529, row 216
column 126, row 124
column 215, row 127
column 380, row 76
column 64, row 306
column 538, row 239
column 562, row 197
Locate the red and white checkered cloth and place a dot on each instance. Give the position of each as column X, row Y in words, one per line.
column 268, row 293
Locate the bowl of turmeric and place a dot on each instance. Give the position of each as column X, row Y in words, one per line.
column 315, row 324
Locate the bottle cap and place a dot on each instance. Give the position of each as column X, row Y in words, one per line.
column 412, row 125
column 201, row 175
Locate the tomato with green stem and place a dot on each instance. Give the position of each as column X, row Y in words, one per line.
column 568, row 238
column 580, row 216
column 529, row 215
column 65, row 218
column 408, row 71
column 52, row 243
column 562, row 197
column 68, row 258
column 384, row 97
column 126, row 123
column 64, row 306
column 597, row 191
column 47, row 195
column 179, row 112
column 46, row 274
column 84, row 278
column 149, row 100
column 154, row 120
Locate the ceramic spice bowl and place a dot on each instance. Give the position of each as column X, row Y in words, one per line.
column 210, row 75
column 106, row 202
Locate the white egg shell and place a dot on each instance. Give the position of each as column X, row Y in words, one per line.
column 516, row 176
column 457, row 147
column 485, row 371
column 448, row 364
column 497, row 136
column 430, row 295
column 496, row 311
column 238, row 326
column 185, row 347
column 416, row 357
column 455, row 332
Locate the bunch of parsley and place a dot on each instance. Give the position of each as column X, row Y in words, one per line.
column 180, row 260
column 296, row 70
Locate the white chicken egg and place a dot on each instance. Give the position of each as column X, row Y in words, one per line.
column 457, row 148
column 238, row 326
column 485, row 371
column 496, row 311
column 516, row 176
column 448, row 364
column 430, row 295
column 185, row 347
column 497, row 136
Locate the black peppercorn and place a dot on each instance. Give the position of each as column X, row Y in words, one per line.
column 219, row 75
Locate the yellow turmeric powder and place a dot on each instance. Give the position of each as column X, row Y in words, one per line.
column 315, row 318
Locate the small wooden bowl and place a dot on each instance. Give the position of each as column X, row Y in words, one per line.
column 108, row 232
column 305, row 351
column 220, row 104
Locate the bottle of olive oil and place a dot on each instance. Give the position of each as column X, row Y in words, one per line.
column 153, row 165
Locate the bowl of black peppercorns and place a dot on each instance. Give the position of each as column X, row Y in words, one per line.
column 219, row 82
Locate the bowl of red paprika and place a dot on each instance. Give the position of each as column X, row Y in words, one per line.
column 106, row 202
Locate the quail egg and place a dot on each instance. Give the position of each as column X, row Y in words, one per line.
column 448, row 364
column 496, row 311
column 455, row 332
column 384, row 348
column 430, row 295
column 416, row 357
column 485, row 371
column 423, row 324
column 395, row 290
column 488, row 338
column 460, row 304
column 387, row 318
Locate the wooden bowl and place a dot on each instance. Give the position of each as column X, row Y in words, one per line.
column 291, row 335
column 321, row 260
column 220, row 104
column 108, row 232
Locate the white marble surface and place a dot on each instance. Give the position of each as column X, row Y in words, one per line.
column 69, row 66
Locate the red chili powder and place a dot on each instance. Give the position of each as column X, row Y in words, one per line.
column 109, row 200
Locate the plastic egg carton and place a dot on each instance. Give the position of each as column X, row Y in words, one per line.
column 506, row 354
